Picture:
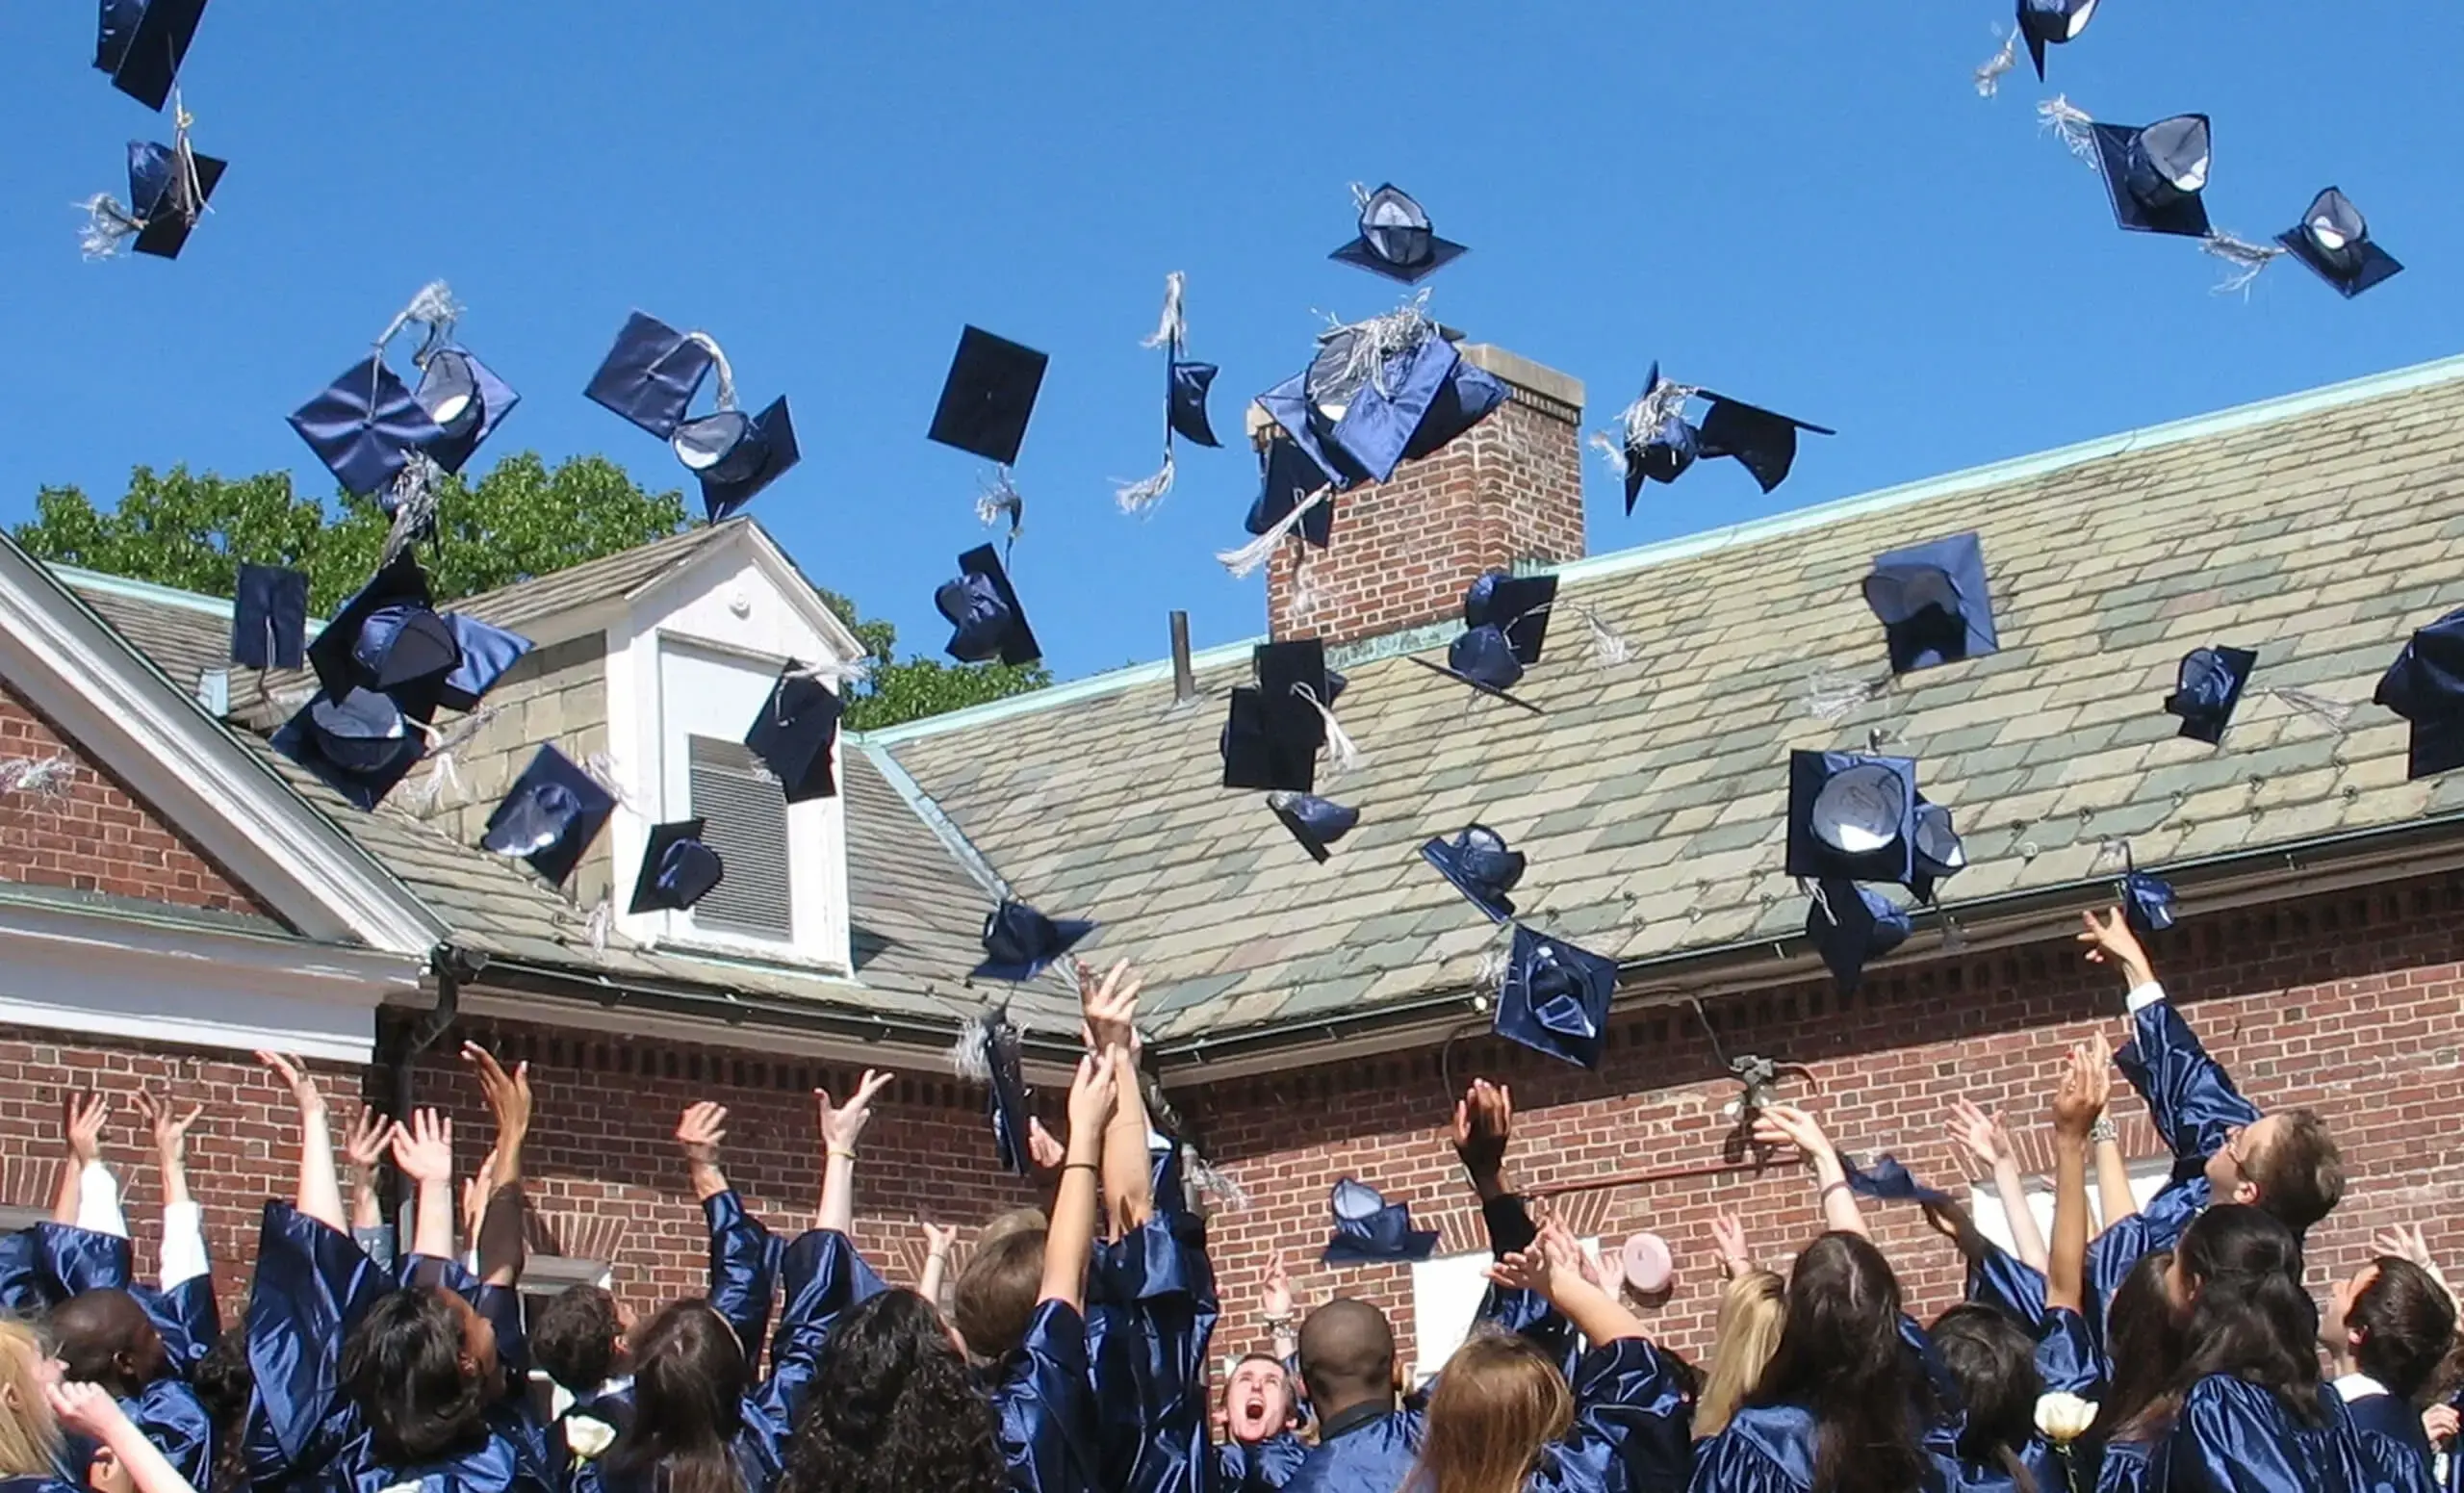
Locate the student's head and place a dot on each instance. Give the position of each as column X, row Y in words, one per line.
column 894, row 1405
column 2394, row 1322
column 421, row 1366
column 1993, row 1361
column 993, row 1299
column 1500, row 1400
column 689, row 1380
column 1347, row 1356
column 2286, row 1163
column 29, row 1436
column 2236, row 1289
column 2145, row 1341
column 1257, row 1399
column 106, row 1338
column 1841, row 1356
column 578, row 1337
column 225, row 1384
column 1750, row 1308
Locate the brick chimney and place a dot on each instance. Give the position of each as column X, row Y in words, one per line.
column 1510, row 489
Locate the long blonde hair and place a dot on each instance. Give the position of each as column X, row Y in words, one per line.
column 29, row 1436
column 1496, row 1406
column 1752, row 1307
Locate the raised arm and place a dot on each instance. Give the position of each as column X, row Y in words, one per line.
column 1786, row 1125
column 841, row 1127
column 2115, row 1200
column 700, row 1133
column 939, row 1239
column 89, row 1410
column 2189, row 1096
column 1274, row 1306
column 183, row 1254
column 1070, row 1239
column 1554, row 1268
column 1109, row 1011
column 1728, row 1237
column 424, row 1151
column 320, row 1196
column 1988, row 1139
column 1631, row 1415
column 2077, row 1104
column 1483, row 1130
column 364, row 1150
column 499, row 1242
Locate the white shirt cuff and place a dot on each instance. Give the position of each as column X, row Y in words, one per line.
column 98, row 1202
column 2142, row 997
column 183, row 1243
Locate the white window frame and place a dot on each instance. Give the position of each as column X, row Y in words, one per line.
column 1445, row 1298
column 2147, row 1177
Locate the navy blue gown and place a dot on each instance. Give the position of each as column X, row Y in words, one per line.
column 2234, row 1437
column 1150, row 1314
column 1262, row 1467
column 1771, row 1449
column 1632, row 1429
column 2395, row 1450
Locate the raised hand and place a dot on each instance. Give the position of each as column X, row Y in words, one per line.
column 1274, row 1300
column 1786, row 1125
column 81, row 1128
column 1042, row 1150
column 1981, row 1132
column 371, row 1135
column 2086, row 1082
column 170, row 1129
column 476, row 1193
column 1108, row 1009
column 843, row 1126
column 701, row 1131
column 1483, row 1127
column 508, row 1095
column 87, row 1410
column 938, row 1238
column 295, row 1078
column 1093, row 1089
column 423, row 1149
column 1727, row 1236
column 2109, row 941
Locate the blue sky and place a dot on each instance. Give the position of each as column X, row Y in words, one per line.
column 1804, row 205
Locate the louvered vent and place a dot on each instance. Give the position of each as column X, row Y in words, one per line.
column 748, row 826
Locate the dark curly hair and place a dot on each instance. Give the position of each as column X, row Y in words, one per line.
column 402, row 1367
column 225, row 1384
column 894, row 1408
column 573, row 1337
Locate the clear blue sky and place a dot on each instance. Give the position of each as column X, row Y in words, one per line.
column 1803, row 205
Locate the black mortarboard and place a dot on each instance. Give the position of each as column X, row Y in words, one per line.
column 1938, row 854
column 142, row 44
column 1660, row 444
column 162, row 197
column 1481, row 866
column 486, row 651
column 1851, row 924
column 2047, row 23
column 465, row 400
column 1933, row 603
column 984, row 612
column 1315, row 822
column 1554, row 999
column 1287, row 474
column 1186, row 406
column 2426, row 687
column 1369, row 1229
column 549, row 818
column 988, row 1050
column 1291, row 673
column 1019, row 943
column 1518, row 605
column 1271, row 742
column 988, row 397
column 794, row 733
column 269, row 617
column 1889, row 1180
column 364, row 426
column 2333, row 239
column 1762, row 443
column 1851, row 817
column 677, row 871
column 2211, row 682
column 735, row 455
column 651, row 376
column 2155, row 173
column 359, row 746
column 1395, row 239
column 385, row 638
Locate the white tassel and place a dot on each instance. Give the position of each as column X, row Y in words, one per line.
column 2334, row 714
column 412, row 501
column 2070, row 122
column 106, row 225
column 2245, row 261
column 1608, row 647
column 1641, row 423
column 1249, row 556
column 1172, row 330
column 1989, row 75
column 1342, row 754
column 1372, row 342
column 1611, row 450
column 1000, row 499
column 1140, row 496
column 1821, row 899
column 1497, row 962
column 838, row 675
column 971, row 1055
column 1830, row 697
column 719, row 359
column 608, row 773
column 42, row 777
column 433, row 310
column 602, row 923
column 1204, row 1179
column 442, row 774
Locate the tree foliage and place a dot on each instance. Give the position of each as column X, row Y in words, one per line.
column 918, row 686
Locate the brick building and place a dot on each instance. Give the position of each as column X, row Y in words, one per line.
column 189, row 896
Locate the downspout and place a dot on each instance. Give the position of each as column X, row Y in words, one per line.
column 398, row 1055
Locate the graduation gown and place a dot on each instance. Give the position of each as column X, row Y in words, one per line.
column 1771, row 1449
column 2395, row 1450
column 2234, row 1437
column 45, row 1264
column 1632, row 1429
column 1259, row 1467
column 1043, row 1396
column 1150, row 1314
column 744, row 1269
column 171, row 1416
column 1367, row 1448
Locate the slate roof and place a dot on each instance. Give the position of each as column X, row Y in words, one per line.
column 2319, row 531
column 624, row 574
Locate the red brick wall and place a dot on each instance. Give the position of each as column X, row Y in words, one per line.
column 1510, row 489
column 98, row 836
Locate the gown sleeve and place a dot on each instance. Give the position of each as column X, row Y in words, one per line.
column 825, row 1278
column 1047, row 1424
column 2067, row 1358
column 312, row 1285
column 1998, row 1278
column 170, row 1415
column 1151, row 1314
column 2191, row 1101
column 744, row 1267
column 1632, row 1429
column 1730, row 1462
column 183, row 1308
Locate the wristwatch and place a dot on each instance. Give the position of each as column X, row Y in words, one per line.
column 2104, row 1129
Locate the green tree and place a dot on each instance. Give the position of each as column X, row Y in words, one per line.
column 900, row 691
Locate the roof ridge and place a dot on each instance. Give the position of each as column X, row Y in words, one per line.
column 691, row 536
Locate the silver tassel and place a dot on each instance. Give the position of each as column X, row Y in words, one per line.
column 1497, row 962
column 434, row 311
column 838, row 676
column 1172, row 330
column 1641, row 423
column 971, row 1055
column 2245, row 261
column 1342, row 754
column 1830, row 697
column 1249, row 556
column 608, row 774
column 2334, row 714
column 1001, row 500
column 602, row 922
column 1140, row 496
column 1608, row 647
column 2072, row 123
column 42, row 777
column 1205, row 1178
column 719, row 360
column 1989, row 75
column 107, row 223
column 412, row 501
column 1372, row 342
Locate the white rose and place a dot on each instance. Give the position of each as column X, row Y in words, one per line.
column 2062, row 1417
column 588, row 1437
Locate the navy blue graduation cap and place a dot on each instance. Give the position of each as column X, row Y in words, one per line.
column 1186, row 406
column 988, row 1052
column 1850, row 925
column 1481, row 866
column 142, row 44
column 1661, row 444
column 1395, row 239
column 985, row 616
column 1370, row 1230
column 388, row 637
column 1889, row 1180
column 2154, row 174
column 2047, row 23
column 2211, row 686
column 1933, row 603
column 270, row 618
column 1763, row 443
column 650, row 374
column 465, row 400
column 484, row 653
column 677, row 869
column 1938, row 854
column 360, row 745
column 1185, row 386
column 650, row 378
column 2147, row 902
column 1315, row 822
column 2333, row 239
column 1851, row 817
column 1554, row 999
column 988, row 396
column 735, row 455
column 167, row 190
column 2426, row 687
column 1484, row 659
column 364, row 427
column 551, row 815
column 1019, row 943
column 1380, row 393
column 1287, row 476
column 794, row 733
column 1517, row 605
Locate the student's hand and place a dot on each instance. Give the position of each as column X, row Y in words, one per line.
column 1108, row 1010
column 1483, row 1125
column 170, row 1129
column 2439, row 1422
column 2086, row 1082
column 939, row 1239
column 1786, row 1125
column 423, row 1149
column 81, row 1126
column 843, row 1126
column 1274, row 1301
column 372, row 1135
column 87, row 1410
column 1727, row 1236
column 701, row 1131
column 476, row 1193
column 2110, row 941
column 1597, row 1272
column 508, row 1095
column 1093, row 1091
column 1042, row 1150
column 301, row 1083
column 1982, row 1133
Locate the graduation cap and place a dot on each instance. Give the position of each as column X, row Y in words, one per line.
column 794, row 733
column 677, row 869
column 1762, row 443
column 1481, row 866
column 1315, row 822
column 1271, row 742
column 1933, row 603
column 2426, row 687
column 1287, row 476
column 735, row 455
column 2333, row 239
column 549, row 818
column 2211, row 686
column 2047, row 23
column 167, row 187
column 1657, row 444
column 465, row 400
column 1554, row 998
column 1939, row 855
column 360, row 745
column 1518, row 605
column 1185, row 386
column 2154, row 174
column 1395, row 239
column 1186, row 404
column 2147, row 902
column 486, row 652
column 650, row 376
column 1851, row 924
column 1370, row 1230
column 388, row 637
column 988, row 396
column 270, row 618
column 142, row 44
column 1887, row 1180
column 1851, row 817
column 364, row 426
column 1378, row 393
column 984, row 612
column 1019, row 943
column 988, row 1052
